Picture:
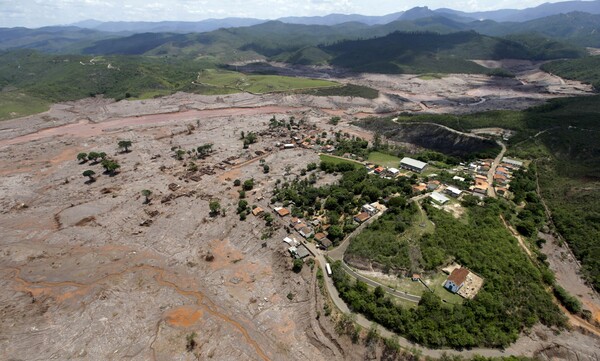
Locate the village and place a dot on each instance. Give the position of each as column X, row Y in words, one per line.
column 310, row 236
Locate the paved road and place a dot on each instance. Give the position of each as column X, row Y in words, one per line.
column 370, row 282
column 490, row 176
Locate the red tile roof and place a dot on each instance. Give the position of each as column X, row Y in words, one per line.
column 283, row 212
column 458, row 276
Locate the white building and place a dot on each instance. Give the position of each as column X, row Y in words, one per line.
column 516, row 163
column 412, row 164
column 453, row 191
column 439, row 197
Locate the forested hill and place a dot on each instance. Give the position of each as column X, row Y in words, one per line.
column 423, row 52
column 586, row 69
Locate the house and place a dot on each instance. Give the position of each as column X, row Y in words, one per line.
column 415, row 277
column 457, row 178
column 453, row 191
column 439, row 198
column 379, row 170
column 502, row 191
column 306, row 232
column 394, row 172
column 319, row 236
column 499, row 178
column 512, row 162
column 294, row 221
column 299, row 226
column 282, row 212
column 480, row 190
column 326, row 243
column 456, row 279
column 291, row 241
column 256, row 211
column 299, row 252
column 503, row 171
column 433, row 185
column 361, row 217
column 367, row 208
column 412, row 164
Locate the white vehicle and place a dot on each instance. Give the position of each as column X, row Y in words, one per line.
column 328, row 268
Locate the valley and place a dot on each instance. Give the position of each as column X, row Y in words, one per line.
column 412, row 186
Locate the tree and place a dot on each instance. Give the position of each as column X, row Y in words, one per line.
column 90, row 174
column 110, row 166
column 93, row 156
column 237, row 182
column 214, row 206
column 102, row 155
column 248, row 184
column 179, row 153
column 298, row 263
column 190, row 342
column 82, row 157
column 146, row 193
column 266, row 169
column 125, row 144
column 204, row 150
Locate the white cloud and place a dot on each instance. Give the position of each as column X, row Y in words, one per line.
column 35, row 13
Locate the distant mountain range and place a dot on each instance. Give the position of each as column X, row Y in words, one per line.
column 512, row 15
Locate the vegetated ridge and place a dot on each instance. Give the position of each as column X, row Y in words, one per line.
column 432, row 136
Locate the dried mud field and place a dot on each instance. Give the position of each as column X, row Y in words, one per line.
column 91, row 271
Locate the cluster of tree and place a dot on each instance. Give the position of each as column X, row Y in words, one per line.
column 524, row 187
column 248, row 139
column 352, row 145
column 110, row 165
column 200, row 152
column 92, row 156
column 381, row 241
column 512, row 286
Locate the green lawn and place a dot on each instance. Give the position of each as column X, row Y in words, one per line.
column 14, row 104
column 334, row 160
column 430, row 76
column 258, row 84
column 383, row 159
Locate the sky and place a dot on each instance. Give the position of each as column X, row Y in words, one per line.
column 37, row 13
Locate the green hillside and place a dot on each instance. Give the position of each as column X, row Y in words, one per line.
column 585, row 69
column 424, row 52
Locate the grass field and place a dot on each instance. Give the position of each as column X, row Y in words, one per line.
column 335, row 160
column 14, row 104
column 258, row 84
column 430, row 76
column 383, row 159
